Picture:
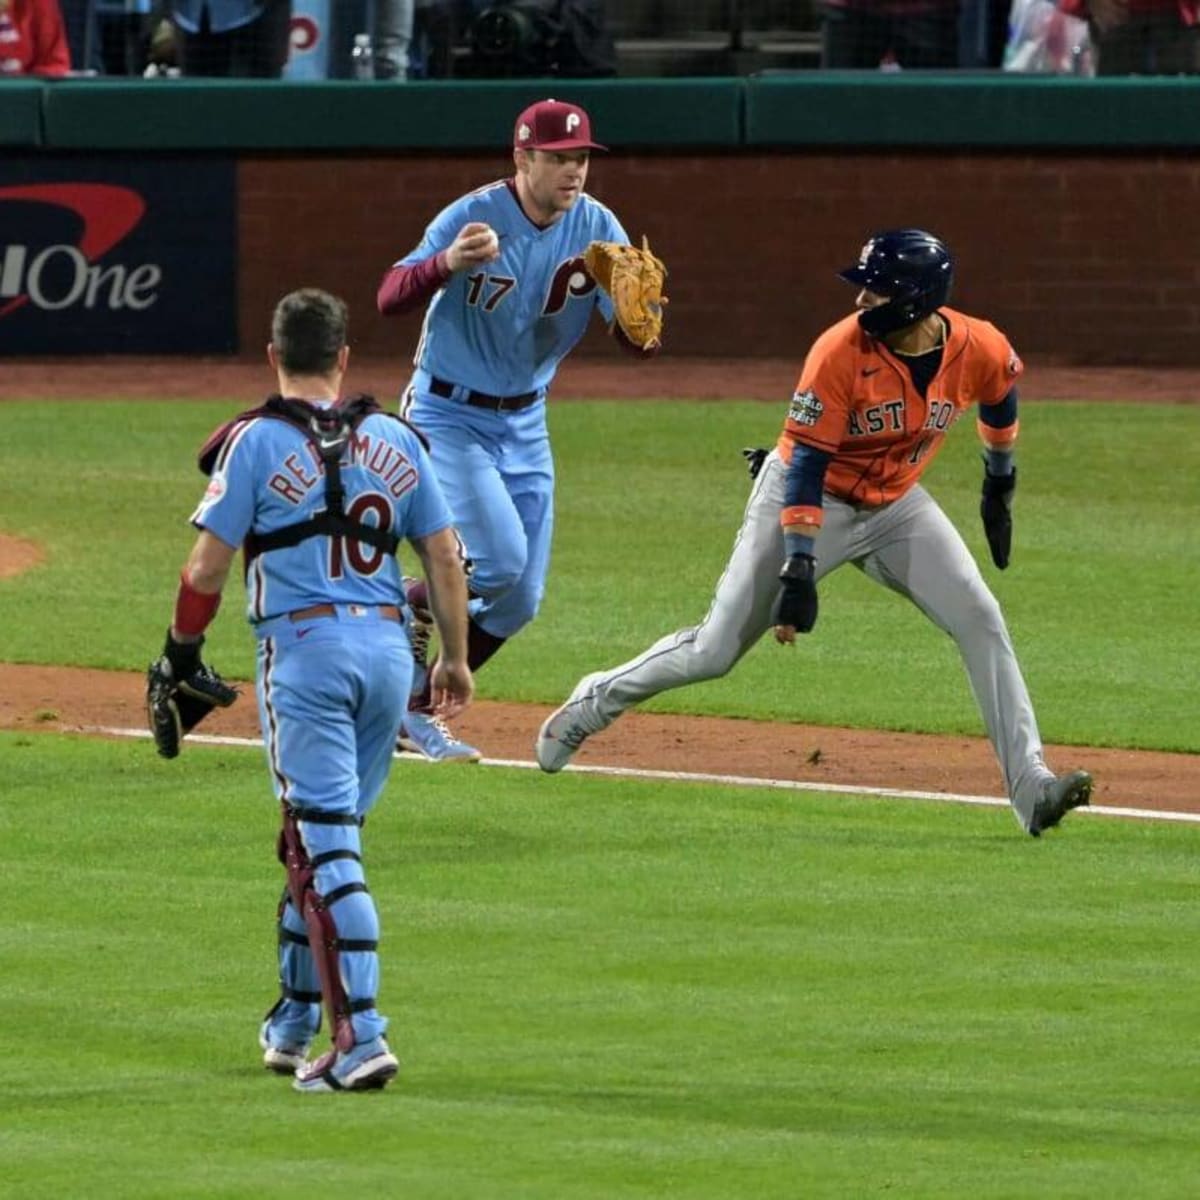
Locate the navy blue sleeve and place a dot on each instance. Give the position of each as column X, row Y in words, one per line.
column 805, row 480
column 1002, row 415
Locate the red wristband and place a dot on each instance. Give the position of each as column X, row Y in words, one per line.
column 193, row 610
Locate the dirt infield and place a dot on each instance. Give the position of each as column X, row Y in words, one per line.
column 65, row 699
column 609, row 377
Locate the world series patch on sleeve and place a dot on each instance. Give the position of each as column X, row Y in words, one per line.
column 805, row 408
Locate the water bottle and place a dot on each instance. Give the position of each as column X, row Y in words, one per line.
column 362, row 57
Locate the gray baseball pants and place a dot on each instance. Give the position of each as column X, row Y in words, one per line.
column 909, row 546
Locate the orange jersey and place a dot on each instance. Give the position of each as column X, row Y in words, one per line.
column 856, row 400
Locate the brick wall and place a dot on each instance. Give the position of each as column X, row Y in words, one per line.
column 1079, row 258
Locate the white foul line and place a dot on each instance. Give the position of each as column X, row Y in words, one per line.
column 786, row 785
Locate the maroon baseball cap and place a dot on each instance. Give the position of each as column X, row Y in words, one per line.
column 554, row 125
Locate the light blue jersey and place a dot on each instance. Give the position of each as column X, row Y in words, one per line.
column 504, row 328
column 269, row 475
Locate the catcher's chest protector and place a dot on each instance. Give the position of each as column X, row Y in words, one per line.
column 328, row 429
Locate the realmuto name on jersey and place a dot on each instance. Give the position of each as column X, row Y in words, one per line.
column 302, row 469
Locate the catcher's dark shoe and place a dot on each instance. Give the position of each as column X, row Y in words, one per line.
column 1059, row 795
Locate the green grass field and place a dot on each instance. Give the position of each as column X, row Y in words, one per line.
column 598, row 989
column 1100, row 596
column 604, row 989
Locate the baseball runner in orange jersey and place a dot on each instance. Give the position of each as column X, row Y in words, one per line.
column 876, row 396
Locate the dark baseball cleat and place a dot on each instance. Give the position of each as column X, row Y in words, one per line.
column 1059, row 795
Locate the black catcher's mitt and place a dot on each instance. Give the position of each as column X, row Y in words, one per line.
column 180, row 692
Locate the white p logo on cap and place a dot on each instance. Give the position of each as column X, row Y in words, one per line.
column 572, row 121
column 524, row 133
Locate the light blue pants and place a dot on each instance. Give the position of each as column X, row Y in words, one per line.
column 331, row 695
column 497, row 472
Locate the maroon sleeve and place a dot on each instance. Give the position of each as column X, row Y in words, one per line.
column 406, row 288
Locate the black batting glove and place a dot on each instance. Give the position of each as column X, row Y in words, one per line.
column 797, row 602
column 996, row 510
column 754, row 456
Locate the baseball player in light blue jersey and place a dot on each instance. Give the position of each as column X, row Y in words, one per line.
column 319, row 491
column 508, row 296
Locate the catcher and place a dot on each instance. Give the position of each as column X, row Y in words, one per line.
column 319, row 492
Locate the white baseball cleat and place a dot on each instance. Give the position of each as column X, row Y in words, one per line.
column 284, row 1058
column 566, row 728
column 367, row 1067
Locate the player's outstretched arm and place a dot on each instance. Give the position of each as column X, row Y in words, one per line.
column 181, row 690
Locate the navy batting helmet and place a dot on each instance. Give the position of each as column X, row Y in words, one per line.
column 912, row 268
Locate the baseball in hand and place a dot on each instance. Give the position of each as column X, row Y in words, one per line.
column 477, row 242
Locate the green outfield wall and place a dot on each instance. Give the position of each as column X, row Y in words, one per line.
column 1071, row 205
column 804, row 108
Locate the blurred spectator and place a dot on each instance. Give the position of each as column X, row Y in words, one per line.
column 83, row 34
column 1043, row 38
column 126, row 30
column 244, row 38
column 889, row 33
column 393, row 34
column 438, row 26
column 33, row 39
column 1142, row 37
column 983, row 32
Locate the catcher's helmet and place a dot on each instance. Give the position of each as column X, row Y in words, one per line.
column 912, row 268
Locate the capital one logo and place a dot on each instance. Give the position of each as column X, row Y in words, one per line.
column 64, row 276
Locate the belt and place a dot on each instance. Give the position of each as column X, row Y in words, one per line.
column 445, row 389
column 389, row 612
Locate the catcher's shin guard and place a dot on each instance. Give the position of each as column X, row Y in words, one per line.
column 322, row 931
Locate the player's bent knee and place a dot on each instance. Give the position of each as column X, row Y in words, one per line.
column 496, row 582
column 976, row 611
column 711, row 661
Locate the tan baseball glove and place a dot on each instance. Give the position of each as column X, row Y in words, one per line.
column 634, row 279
